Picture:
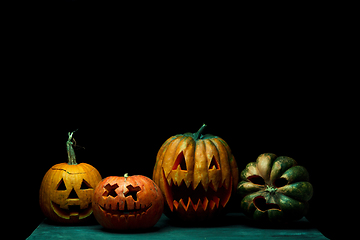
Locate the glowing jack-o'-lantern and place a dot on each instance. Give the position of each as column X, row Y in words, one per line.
column 67, row 188
column 197, row 174
column 127, row 203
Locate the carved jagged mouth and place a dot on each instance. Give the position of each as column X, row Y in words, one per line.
column 73, row 211
column 142, row 209
column 186, row 197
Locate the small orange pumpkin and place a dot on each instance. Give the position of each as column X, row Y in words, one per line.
column 127, row 203
column 67, row 188
column 197, row 174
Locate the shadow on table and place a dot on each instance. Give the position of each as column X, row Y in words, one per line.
column 230, row 220
column 90, row 222
column 95, row 225
column 241, row 220
column 135, row 231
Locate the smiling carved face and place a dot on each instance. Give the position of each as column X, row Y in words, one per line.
column 66, row 192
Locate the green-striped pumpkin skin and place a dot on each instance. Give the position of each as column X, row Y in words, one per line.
column 274, row 189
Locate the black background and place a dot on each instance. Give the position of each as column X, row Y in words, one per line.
column 280, row 88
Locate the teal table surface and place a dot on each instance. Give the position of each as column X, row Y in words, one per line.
column 232, row 226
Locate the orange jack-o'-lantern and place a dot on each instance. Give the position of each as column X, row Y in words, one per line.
column 127, row 203
column 67, row 188
column 197, row 174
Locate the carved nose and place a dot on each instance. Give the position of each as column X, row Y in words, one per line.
column 73, row 194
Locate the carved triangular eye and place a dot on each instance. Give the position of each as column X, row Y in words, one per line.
column 61, row 185
column 214, row 164
column 85, row 185
column 180, row 160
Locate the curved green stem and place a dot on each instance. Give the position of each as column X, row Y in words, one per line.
column 198, row 133
column 270, row 189
column 70, row 149
column 126, row 175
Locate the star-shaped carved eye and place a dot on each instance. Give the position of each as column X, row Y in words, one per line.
column 110, row 190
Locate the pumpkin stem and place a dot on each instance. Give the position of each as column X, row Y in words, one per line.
column 126, row 175
column 198, row 133
column 70, row 149
column 270, row 189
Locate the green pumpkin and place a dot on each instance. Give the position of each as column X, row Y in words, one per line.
column 275, row 189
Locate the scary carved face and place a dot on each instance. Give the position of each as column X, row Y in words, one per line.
column 196, row 176
column 123, row 203
column 66, row 192
column 275, row 189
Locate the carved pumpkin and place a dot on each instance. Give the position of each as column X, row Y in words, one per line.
column 197, row 174
column 127, row 203
column 67, row 188
column 275, row 189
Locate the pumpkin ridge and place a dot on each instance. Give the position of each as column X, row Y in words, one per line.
column 164, row 146
column 214, row 154
column 196, row 174
column 172, row 148
column 280, row 165
column 201, row 173
column 278, row 196
column 179, row 153
column 213, row 143
column 160, row 158
column 264, row 165
column 224, row 163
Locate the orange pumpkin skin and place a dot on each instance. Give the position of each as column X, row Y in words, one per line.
column 196, row 174
column 66, row 192
column 127, row 203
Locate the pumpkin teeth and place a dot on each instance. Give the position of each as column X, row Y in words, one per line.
column 211, row 204
column 176, row 204
column 198, row 205
column 183, row 204
column 123, row 213
column 205, row 203
column 181, row 194
column 195, row 206
column 72, row 211
column 216, row 200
